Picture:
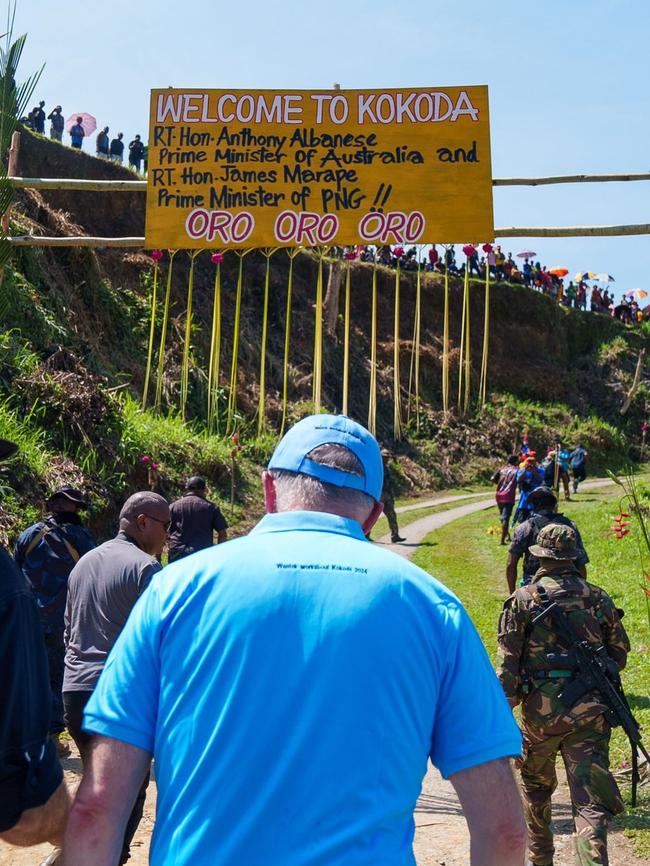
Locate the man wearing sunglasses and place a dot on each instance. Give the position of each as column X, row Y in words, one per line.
column 102, row 590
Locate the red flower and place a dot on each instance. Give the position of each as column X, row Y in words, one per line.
column 154, row 465
column 144, row 458
column 469, row 250
column 156, row 255
column 487, row 248
column 217, row 258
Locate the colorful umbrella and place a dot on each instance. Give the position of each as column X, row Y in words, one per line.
column 526, row 254
column 558, row 272
column 88, row 122
column 587, row 275
column 605, row 278
column 636, row 293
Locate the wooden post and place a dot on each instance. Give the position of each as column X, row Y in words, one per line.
column 12, row 171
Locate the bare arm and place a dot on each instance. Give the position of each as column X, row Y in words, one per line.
column 511, row 572
column 490, row 799
column 44, row 823
column 111, row 780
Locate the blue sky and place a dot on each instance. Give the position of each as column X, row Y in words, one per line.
column 568, row 84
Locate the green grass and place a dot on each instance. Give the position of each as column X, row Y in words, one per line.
column 478, row 578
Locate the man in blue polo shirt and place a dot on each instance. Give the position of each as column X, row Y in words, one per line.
column 291, row 686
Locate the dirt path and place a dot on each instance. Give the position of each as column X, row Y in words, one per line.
column 441, row 837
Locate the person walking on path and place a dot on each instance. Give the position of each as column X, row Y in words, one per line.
column 578, row 459
column 529, row 477
column 77, row 133
column 332, row 664
column 194, row 520
column 46, row 553
column 543, row 502
column 532, row 675
column 34, row 799
column 103, row 589
column 388, row 498
column 57, row 124
column 506, row 494
column 116, row 152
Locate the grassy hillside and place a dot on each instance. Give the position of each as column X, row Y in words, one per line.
column 74, row 343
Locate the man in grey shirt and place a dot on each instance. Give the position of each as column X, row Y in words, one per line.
column 102, row 589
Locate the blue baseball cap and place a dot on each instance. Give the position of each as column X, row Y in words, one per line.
column 292, row 450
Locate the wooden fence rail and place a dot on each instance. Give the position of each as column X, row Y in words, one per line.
column 513, row 232
column 141, row 185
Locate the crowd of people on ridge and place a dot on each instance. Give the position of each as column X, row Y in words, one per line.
column 503, row 268
column 105, row 146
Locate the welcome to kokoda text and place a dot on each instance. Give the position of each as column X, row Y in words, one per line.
column 318, row 158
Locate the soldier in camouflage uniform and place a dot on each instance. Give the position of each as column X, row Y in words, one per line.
column 388, row 498
column 580, row 732
column 46, row 553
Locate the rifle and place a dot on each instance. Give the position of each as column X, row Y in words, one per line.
column 596, row 672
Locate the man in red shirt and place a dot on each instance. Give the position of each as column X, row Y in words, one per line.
column 506, row 493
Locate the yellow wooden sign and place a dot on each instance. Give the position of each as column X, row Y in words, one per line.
column 269, row 168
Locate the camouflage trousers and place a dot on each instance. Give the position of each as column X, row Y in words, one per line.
column 390, row 514
column 594, row 794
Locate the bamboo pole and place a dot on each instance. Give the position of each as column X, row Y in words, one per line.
column 499, row 232
column 572, row 231
column 73, row 241
column 568, row 178
column 78, row 184
column 84, row 185
column 12, row 168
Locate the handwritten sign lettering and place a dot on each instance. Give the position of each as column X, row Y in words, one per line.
column 237, row 169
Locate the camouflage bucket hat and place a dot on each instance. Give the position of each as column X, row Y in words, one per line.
column 555, row 541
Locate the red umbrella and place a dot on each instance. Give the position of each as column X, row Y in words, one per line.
column 88, row 122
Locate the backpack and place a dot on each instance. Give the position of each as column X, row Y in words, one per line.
column 507, row 485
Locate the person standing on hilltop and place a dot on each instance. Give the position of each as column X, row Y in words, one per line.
column 46, row 553
column 77, row 133
column 39, row 118
column 194, row 520
column 116, row 150
column 136, row 152
column 102, row 144
column 57, row 124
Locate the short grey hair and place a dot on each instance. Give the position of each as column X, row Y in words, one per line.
column 299, row 492
column 140, row 503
